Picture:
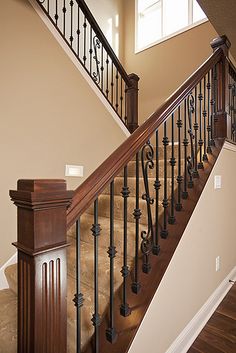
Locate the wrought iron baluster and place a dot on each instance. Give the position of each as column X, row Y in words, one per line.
column 204, row 114
column 208, row 113
column 136, row 286
column 107, row 78
column 71, row 23
column 171, row 219
column 125, row 117
column 147, row 155
column 96, row 320
column 179, row 178
column 85, row 40
column 195, row 127
column 56, row 14
column 96, row 46
column 165, row 203
column 48, row 6
column 78, row 30
column 78, row 298
column 121, row 98
column 190, row 159
column 185, row 144
column 102, row 69
column 112, row 84
column 214, row 104
column 124, row 308
column 117, row 90
column 111, row 334
column 64, row 18
column 200, row 141
column 157, row 185
column 91, row 50
column 234, row 110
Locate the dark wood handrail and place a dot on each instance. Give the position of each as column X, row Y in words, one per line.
column 104, row 41
column 105, row 173
column 231, row 65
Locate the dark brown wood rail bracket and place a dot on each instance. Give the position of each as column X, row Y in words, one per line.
column 42, row 268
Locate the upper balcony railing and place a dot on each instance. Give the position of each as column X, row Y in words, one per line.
column 81, row 32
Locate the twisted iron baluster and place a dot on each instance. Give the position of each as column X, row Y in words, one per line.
column 185, row 144
column 204, row 114
column 147, row 155
column 190, row 159
column 165, row 203
column 195, row 127
column 200, row 141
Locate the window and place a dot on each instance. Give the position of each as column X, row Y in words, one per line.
column 159, row 19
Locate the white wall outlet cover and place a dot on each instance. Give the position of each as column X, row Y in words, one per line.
column 74, row 170
column 217, row 263
column 217, row 182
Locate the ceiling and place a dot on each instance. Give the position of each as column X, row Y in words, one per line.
column 221, row 14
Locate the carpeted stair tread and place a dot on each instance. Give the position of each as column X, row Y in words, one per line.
column 104, row 208
column 86, row 222
column 8, row 321
column 161, row 151
column 87, row 266
column 11, row 276
column 119, row 182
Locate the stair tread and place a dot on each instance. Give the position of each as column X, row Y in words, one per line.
column 8, row 321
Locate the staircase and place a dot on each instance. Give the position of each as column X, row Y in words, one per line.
column 87, row 289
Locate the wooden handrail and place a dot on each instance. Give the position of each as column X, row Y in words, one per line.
column 231, row 65
column 104, row 41
column 105, row 173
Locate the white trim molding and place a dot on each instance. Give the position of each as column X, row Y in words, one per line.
column 3, row 280
column 186, row 338
column 230, row 146
column 77, row 64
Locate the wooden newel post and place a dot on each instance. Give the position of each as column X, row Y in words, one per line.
column 132, row 103
column 42, row 269
column 220, row 121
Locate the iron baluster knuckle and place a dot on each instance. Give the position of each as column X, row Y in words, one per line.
column 137, row 213
column 125, row 271
column 157, row 184
column 96, row 320
column 112, row 252
column 96, row 229
column 78, row 300
column 125, row 192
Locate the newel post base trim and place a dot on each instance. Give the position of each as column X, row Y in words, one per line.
column 42, row 269
column 132, row 103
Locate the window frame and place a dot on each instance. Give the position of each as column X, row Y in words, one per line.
column 163, row 39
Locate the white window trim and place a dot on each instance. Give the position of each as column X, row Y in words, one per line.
column 182, row 30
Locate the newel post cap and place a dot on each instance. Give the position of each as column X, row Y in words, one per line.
column 221, row 42
column 41, row 213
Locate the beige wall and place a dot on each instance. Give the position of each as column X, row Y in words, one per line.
column 164, row 67
column 49, row 115
column 191, row 278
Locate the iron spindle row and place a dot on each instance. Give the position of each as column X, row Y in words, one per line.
column 189, row 128
column 74, row 24
column 232, row 100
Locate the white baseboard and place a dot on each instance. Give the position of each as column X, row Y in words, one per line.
column 186, row 338
column 3, row 280
column 77, row 64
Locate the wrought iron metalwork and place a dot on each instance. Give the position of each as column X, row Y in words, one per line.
column 78, row 298
column 124, row 308
column 96, row 319
column 200, row 141
column 185, row 144
column 171, row 219
column 179, row 178
column 165, row 202
column 111, row 334
column 204, row 114
column 157, row 186
column 136, row 285
column 147, row 156
column 96, row 46
column 209, row 127
column 195, row 127
column 190, row 159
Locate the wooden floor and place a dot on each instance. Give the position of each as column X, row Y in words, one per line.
column 219, row 334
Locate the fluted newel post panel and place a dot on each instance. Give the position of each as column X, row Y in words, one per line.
column 221, row 74
column 132, row 103
column 42, row 269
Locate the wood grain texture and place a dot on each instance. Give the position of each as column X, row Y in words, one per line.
column 219, row 334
